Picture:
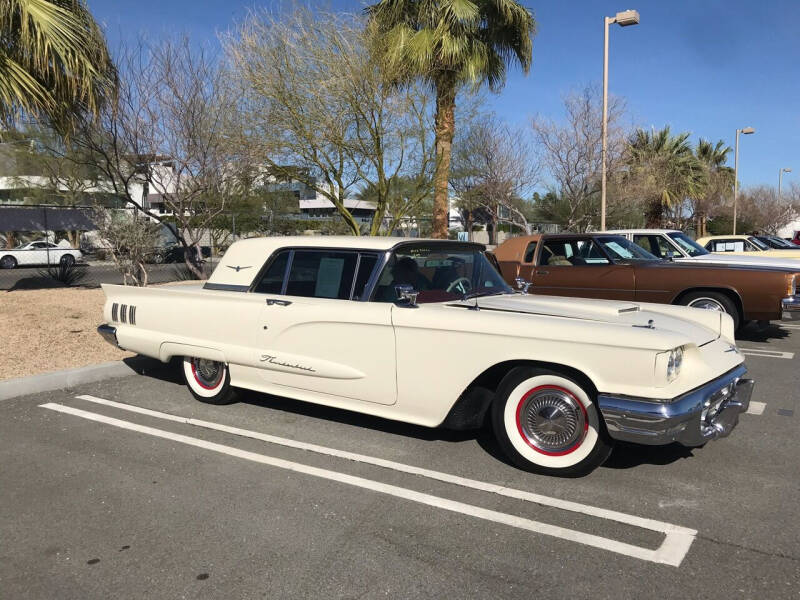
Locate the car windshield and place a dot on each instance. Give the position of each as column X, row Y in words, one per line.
column 440, row 273
column 758, row 243
column 776, row 242
column 621, row 249
column 687, row 244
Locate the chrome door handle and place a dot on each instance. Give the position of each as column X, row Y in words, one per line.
column 273, row 301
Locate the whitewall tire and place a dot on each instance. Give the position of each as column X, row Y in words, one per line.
column 209, row 381
column 548, row 423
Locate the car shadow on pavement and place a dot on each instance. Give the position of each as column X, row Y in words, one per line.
column 346, row 417
column 626, row 456
column 756, row 333
column 150, row 367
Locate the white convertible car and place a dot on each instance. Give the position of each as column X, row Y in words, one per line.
column 40, row 252
column 427, row 332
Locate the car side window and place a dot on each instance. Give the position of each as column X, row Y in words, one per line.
column 529, row 252
column 571, row 253
column 655, row 244
column 272, row 280
column 727, row 246
column 321, row 274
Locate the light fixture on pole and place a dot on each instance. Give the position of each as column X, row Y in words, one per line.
column 780, row 178
column 623, row 19
column 746, row 131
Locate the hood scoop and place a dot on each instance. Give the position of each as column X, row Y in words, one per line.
column 554, row 306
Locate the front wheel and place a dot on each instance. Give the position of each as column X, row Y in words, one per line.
column 208, row 380
column 547, row 423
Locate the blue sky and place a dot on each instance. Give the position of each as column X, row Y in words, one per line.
column 704, row 66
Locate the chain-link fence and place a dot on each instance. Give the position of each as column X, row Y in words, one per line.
column 44, row 247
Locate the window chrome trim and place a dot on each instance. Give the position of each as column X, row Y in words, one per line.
column 380, row 265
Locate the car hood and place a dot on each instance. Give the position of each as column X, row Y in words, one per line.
column 699, row 326
column 752, row 261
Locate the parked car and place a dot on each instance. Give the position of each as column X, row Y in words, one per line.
column 671, row 244
column 610, row 266
column 742, row 245
column 427, row 332
column 39, row 252
column 174, row 253
column 773, row 241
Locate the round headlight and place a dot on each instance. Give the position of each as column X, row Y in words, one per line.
column 674, row 363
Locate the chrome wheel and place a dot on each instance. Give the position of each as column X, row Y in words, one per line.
column 707, row 304
column 552, row 420
column 208, row 373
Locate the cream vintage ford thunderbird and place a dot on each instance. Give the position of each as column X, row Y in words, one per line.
column 427, row 332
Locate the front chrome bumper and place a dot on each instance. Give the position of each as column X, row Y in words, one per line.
column 109, row 334
column 790, row 307
column 704, row 414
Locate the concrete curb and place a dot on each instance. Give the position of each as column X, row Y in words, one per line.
column 68, row 378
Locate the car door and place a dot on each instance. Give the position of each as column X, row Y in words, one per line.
column 316, row 335
column 35, row 254
column 577, row 267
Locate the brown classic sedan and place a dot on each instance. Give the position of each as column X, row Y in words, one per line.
column 612, row 267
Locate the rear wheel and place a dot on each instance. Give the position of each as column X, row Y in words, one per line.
column 67, row 260
column 547, row 423
column 208, row 380
column 8, row 262
column 713, row 301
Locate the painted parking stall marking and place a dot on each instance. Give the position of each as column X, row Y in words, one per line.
column 672, row 550
column 766, row 353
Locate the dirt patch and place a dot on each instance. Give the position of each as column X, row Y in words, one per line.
column 50, row 330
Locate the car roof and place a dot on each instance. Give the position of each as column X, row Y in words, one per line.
column 245, row 257
column 708, row 238
column 641, row 231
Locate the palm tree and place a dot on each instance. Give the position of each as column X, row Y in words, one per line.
column 449, row 43
column 54, row 63
column 719, row 177
column 663, row 171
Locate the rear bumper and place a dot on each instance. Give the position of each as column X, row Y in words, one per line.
column 109, row 334
column 704, row 414
column 790, row 308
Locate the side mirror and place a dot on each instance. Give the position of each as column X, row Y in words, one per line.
column 522, row 284
column 406, row 295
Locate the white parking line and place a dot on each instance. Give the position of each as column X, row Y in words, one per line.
column 672, row 550
column 756, row 408
column 786, row 326
column 766, row 353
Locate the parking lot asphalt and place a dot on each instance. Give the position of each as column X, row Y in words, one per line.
column 100, row 498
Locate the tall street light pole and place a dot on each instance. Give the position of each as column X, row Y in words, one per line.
column 746, row 131
column 780, row 178
column 623, row 19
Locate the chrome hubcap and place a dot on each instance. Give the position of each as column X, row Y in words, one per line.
column 552, row 420
column 208, row 372
column 707, row 304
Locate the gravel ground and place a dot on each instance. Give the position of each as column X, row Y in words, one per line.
column 52, row 329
